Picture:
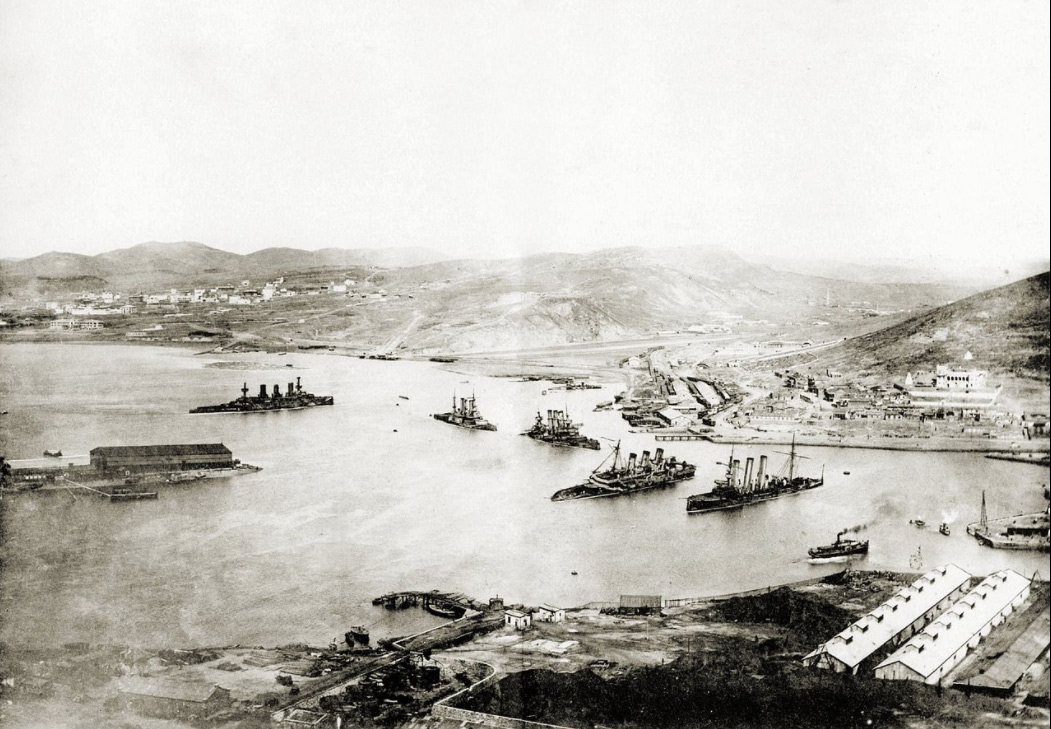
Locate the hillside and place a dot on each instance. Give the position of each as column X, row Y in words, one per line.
column 157, row 266
column 548, row 299
column 1005, row 330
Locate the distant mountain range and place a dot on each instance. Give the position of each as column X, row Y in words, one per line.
column 155, row 266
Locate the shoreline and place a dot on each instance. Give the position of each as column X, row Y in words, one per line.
column 924, row 445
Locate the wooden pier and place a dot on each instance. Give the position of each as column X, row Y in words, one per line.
column 440, row 603
column 678, row 436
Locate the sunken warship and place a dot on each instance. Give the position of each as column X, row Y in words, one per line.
column 741, row 487
column 465, row 415
column 294, row 398
column 559, row 430
column 614, row 476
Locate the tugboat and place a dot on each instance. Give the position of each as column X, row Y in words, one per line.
column 740, row 488
column 840, row 548
column 359, row 634
column 294, row 398
column 465, row 415
column 559, row 430
column 630, row 477
column 944, row 529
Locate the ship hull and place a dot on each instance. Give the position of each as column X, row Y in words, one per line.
column 577, row 442
column 841, row 550
column 699, row 504
column 595, row 490
column 459, row 423
column 266, row 406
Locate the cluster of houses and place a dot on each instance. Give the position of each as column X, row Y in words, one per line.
column 521, row 619
column 946, row 392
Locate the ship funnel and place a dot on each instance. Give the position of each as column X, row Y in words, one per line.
column 645, row 459
column 658, row 456
column 277, row 390
column 291, row 388
column 748, row 473
column 262, row 391
column 735, row 467
column 299, row 387
column 760, row 476
column 631, row 461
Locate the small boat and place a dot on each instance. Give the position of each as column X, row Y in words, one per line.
column 130, row 495
column 944, row 529
column 403, row 397
column 573, row 572
column 357, row 634
column 444, row 611
column 840, row 548
column 920, row 523
column 53, row 454
column 846, row 473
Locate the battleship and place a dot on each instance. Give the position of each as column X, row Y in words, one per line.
column 840, row 548
column 294, row 398
column 614, row 477
column 559, row 430
column 465, row 415
column 741, row 488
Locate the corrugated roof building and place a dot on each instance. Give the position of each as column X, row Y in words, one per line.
column 892, row 623
column 172, row 699
column 183, row 457
column 939, row 647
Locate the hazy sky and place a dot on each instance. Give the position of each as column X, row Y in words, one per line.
column 836, row 129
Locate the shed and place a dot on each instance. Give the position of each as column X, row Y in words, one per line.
column 517, row 619
column 172, row 699
column 549, row 614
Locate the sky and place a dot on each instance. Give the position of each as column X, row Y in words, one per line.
column 837, row 130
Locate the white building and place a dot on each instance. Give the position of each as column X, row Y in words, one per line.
column 549, row 614
column 674, row 418
column 517, row 619
column 946, row 378
column 892, row 623
column 930, row 655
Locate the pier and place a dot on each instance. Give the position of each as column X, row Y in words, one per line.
column 440, row 603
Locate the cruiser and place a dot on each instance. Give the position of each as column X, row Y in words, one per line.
column 294, row 398
column 627, row 478
column 741, row 488
column 840, row 548
column 465, row 415
column 559, row 430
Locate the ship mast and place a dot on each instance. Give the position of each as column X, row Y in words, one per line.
column 792, row 460
column 984, row 520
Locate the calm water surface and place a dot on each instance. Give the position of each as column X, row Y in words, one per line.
column 374, row 495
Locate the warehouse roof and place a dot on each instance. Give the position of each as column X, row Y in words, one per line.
column 162, row 688
column 873, row 630
column 934, row 645
column 189, row 449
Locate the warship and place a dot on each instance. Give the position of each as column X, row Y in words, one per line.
column 294, row 398
column 741, row 488
column 465, row 415
column 840, row 548
column 614, row 477
column 559, row 430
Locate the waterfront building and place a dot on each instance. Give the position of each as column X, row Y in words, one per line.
column 517, row 619
column 936, row 650
column 892, row 623
column 549, row 614
column 139, row 459
column 171, row 699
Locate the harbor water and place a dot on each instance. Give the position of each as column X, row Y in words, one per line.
column 373, row 495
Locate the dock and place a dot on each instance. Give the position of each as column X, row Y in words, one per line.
column 677, row 436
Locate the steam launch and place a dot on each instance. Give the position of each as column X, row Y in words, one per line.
column 465, row 415
column 840, row 548
column 294, row 398
column 559, row 430
column 741, row 487
column 614, row 477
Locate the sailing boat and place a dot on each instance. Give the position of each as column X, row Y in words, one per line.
column 741, row 487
